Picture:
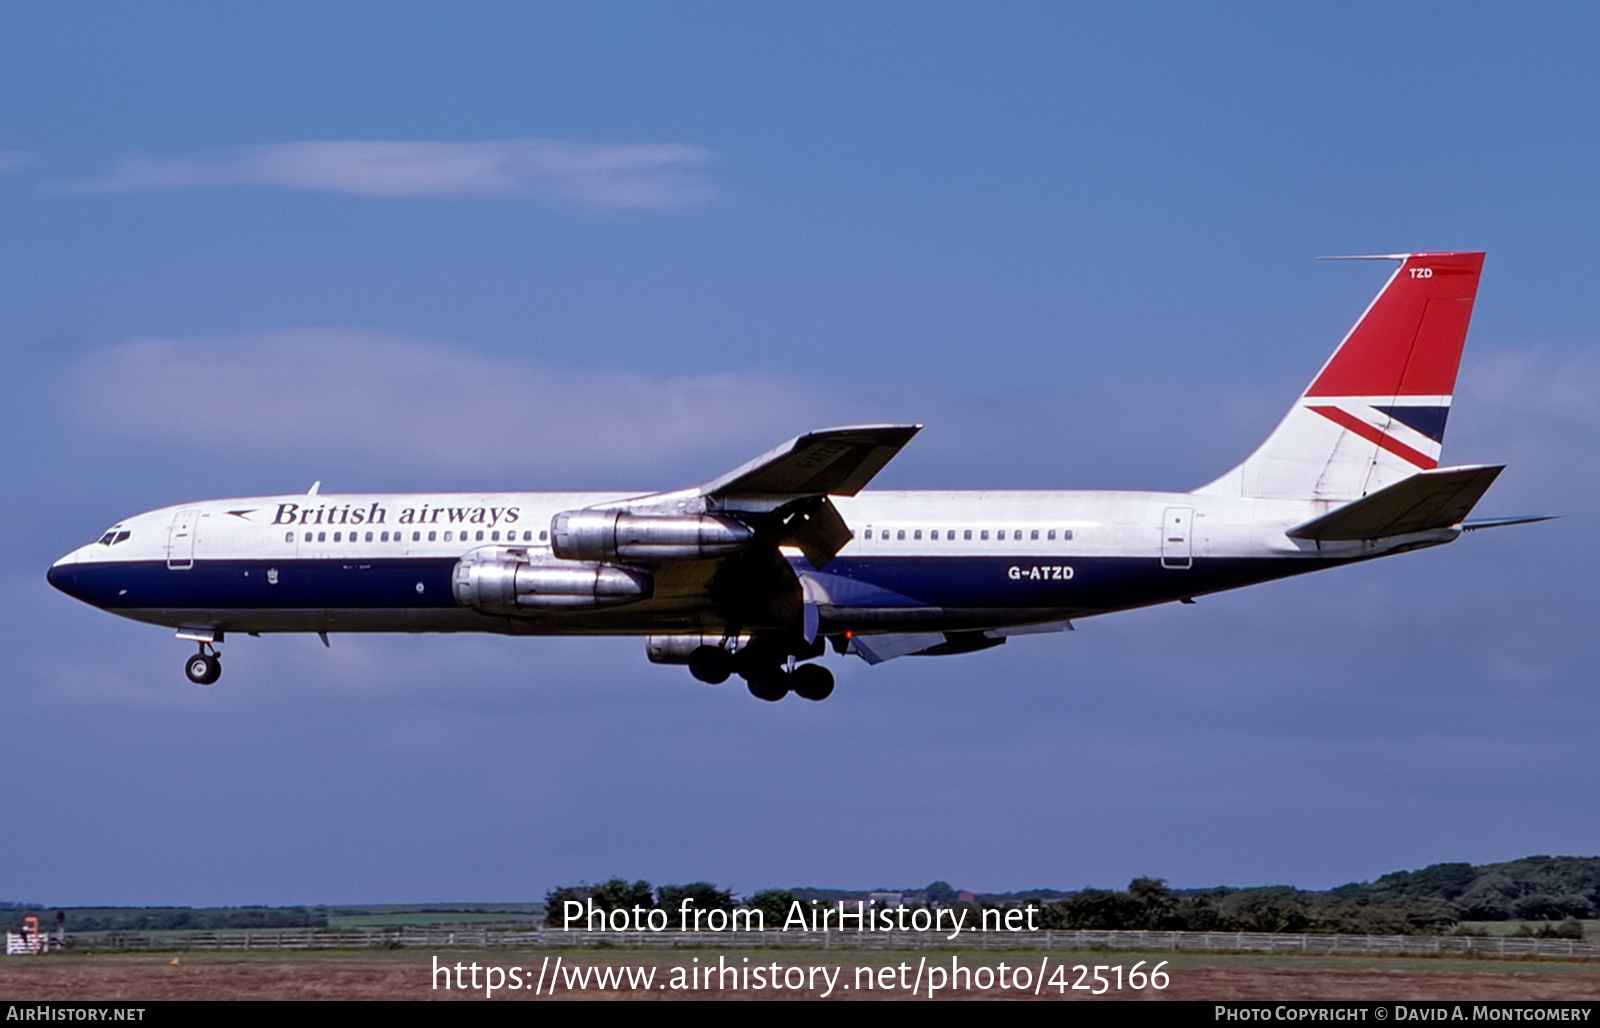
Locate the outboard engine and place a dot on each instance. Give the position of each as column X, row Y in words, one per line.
column 675, row 649
column 499, row 581
column 652, row 538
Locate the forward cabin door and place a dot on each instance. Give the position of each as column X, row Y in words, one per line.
column 180, row 540
column 1175, row 544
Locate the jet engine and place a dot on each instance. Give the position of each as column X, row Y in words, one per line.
column 618, row 535
column 675, row 649
column 500, row 583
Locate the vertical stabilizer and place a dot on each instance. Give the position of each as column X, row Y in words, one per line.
column 1375, row 413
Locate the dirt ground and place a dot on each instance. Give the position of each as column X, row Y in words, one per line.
column 406, row 976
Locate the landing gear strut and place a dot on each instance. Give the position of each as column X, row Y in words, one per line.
column 204, row 667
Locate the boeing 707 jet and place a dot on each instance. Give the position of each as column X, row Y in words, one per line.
column 758, row 572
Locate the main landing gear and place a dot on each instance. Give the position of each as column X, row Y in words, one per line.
column 204, row 667
column 808, row 681
column 765, row 667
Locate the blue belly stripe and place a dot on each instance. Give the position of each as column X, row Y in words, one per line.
column 243, row 584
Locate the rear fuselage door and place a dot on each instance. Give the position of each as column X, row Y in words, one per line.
column 180, row 540
column 1175, row 532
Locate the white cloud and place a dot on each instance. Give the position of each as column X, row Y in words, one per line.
column 609, row 176
column 334, row 398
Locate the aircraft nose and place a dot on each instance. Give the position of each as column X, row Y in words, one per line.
column 63, row 574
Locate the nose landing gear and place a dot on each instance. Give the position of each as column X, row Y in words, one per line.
column 204, row 667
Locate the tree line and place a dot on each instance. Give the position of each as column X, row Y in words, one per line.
column 1434, row 900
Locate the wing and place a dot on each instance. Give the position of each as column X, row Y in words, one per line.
column 783, row 493
column 792, row 483
column 828, row 462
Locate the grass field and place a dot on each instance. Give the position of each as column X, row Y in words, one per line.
column 407, row 974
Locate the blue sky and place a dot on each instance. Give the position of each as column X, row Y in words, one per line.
column 631, row 245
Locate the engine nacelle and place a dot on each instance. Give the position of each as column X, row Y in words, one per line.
column 501, row 583
column 675, row 649
column 618, row 535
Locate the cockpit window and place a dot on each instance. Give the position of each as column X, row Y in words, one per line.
column 105, row 540
column 113, row 537
column 121, row 537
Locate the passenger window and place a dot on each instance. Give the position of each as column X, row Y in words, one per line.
column 542, row 534
column 432, row 536
column 308, row 537
column 1034, row 534
column 1052, row 533
column 869, row 533
column 985, row 533
column 480, row 535
column 917, row 534
column 1066, row 533
column 416, row 536
column 967, row 534
column 447, row 537
column 900, row 534
column 527, row 537
column 494, row 537
column 369, row 537
column 288, row 537
column 322, row 537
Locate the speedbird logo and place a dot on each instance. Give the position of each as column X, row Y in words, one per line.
column 1410, row 427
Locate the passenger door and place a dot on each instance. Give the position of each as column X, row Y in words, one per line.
column 1176, row 551
column 180, row 540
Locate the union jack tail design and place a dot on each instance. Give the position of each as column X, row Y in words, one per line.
column 1375, row 413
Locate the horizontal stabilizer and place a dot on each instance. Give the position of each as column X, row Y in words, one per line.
column 1430, row 499
column 829, row 462
column 1477, row 523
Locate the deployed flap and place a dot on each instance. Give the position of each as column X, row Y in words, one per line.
column 875, row 649
column 1430, row 499
column 820, row 532
column 829, row 462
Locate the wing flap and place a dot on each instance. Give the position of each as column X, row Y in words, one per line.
column 1441, row 498
column 820, row 532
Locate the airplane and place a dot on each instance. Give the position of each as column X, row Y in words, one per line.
column 759, row 571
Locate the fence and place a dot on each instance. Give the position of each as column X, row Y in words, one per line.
column 1175, row 942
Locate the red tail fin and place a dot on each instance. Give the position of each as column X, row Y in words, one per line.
column 1409, row 341
column 1375, row 413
